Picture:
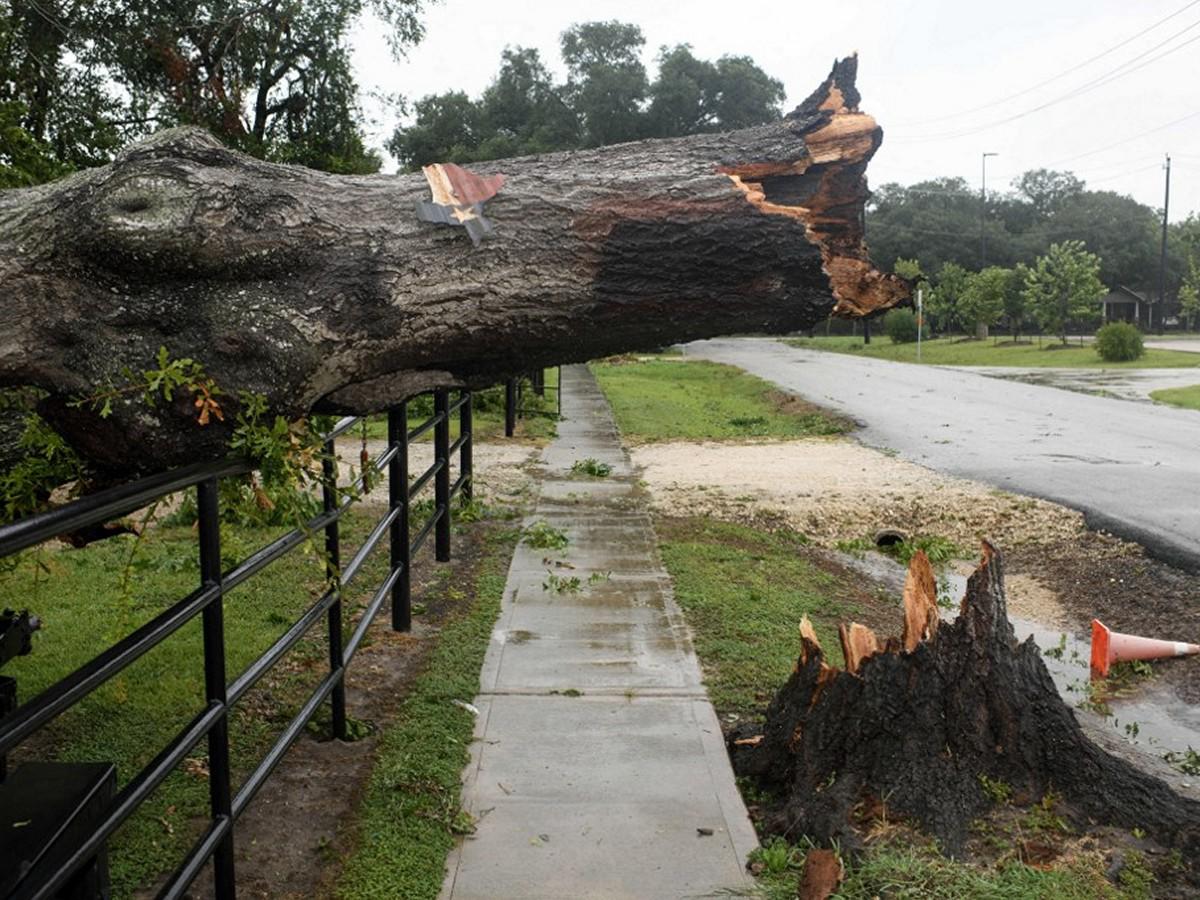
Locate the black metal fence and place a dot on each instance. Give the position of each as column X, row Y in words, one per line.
column 59, row 858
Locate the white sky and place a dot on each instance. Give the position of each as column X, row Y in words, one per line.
column 918, row 60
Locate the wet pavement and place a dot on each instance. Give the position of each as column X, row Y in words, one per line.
column 1121, row 384
column 1131, row 468
column 599, row 768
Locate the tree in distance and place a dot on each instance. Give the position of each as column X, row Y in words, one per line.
column 1064, row 286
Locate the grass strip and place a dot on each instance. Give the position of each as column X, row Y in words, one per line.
column 664, row 399
column 744, row 592
column 961, row 352
column 1186, row 397
column 410, row 812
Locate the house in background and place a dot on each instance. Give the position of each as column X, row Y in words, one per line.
column 1122, row 304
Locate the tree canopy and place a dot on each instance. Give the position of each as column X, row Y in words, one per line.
column 938, row 222
column 273, row 77
column 607, row 98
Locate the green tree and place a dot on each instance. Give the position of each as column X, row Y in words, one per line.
column 1015, row 310
column 1046, row 189
column 982, row 302
column 1064, row 286
column 1189, row 295
column 24, row 160
column 523, row 112
column 692, row 95
column 948, row 290
column 448, row 128
column 606, row 81
column 271, row 77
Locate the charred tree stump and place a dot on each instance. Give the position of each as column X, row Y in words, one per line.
column 919, row 727
column 348, row 294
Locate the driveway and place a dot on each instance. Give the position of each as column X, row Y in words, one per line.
column 1131, row 468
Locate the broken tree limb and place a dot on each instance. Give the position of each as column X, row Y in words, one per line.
column 920, row 729
column 331, row 293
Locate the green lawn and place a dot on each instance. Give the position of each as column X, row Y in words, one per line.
column 1187, row 397
column 78, row 594
column 960, row 352
column 663, row 399
column 744, row 591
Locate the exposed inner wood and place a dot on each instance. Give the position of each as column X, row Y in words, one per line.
column 858, row 643
column 920, row 602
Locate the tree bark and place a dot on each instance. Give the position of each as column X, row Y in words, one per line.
column 919, row 730
column 328, row 293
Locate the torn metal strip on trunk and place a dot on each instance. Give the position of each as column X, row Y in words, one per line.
column 458, row 197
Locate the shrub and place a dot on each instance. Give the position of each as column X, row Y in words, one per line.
column 901, row 326
column 1119, row 342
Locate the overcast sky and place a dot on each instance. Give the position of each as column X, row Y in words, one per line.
column 924, row 65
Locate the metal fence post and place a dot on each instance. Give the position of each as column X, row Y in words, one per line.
column 466, row 463
column 559, row 392
column 333, row 568
column 441, row 483
column 398, row 498
column 537, row 380
column 510, row 407
column 213, row 624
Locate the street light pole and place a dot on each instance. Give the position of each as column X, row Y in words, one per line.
column 983, row 211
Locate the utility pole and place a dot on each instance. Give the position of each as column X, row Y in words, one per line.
column 1162, row 260
column 983, row 211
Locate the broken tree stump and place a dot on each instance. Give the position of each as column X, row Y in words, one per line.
column 921, row 728
column 348, row 294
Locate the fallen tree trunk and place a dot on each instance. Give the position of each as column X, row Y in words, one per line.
column 920, row 730
column 343, row 294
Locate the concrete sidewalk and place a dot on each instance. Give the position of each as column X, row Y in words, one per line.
column 598, row 768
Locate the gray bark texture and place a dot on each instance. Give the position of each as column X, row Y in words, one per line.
column 328, row 293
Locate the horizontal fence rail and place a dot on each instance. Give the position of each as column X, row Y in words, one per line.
column 56, row 866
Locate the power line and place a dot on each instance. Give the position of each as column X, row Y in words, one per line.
column 1110, row 76
column 1053, row 78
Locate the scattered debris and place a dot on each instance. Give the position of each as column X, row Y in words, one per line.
column 469, row 707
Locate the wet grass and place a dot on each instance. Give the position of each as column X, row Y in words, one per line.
column 744, row 592
column 959, row 352
column 410, row 813
column 90, row 598
column 1186, row 397
column 663, row 400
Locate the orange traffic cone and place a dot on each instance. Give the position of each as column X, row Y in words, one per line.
column 1109, row 647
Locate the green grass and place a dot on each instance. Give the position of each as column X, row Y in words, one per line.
column 410, row 813
column 538, row 420
column 959, row 352
column 659, row 400
column 1187, row 397
column 914, row 873
column 744, row 592
column 78, row 595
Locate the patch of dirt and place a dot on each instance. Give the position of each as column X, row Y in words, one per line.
column 838, row 490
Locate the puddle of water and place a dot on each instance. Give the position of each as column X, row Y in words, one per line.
column 1149, row 715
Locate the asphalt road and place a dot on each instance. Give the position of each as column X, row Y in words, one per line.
column 1131, row 468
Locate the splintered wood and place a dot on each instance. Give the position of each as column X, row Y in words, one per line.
column 860, row 643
